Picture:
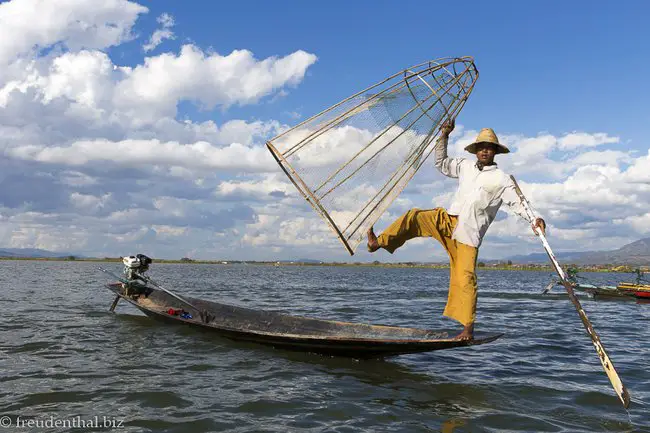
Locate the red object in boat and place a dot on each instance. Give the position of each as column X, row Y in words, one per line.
column 636, row 290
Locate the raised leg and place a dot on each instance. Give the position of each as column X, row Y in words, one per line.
column 415, row 223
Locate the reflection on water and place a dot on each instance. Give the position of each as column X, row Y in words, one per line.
column 63, row 354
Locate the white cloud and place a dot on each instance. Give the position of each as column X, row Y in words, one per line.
column 144, row 153
column 77, row 179
column 167, row 22
column 88, row 84
column 95, row 157
column 639, row 223
column 577, row 208
column 590, row 187
column 538, row 156
column 80, row 157
column 164, row 231
column 269, row 188
column 27, row 26
column 89, row 202
column 288, row 234
column 639, row 171
column 75, row 89
column 529, row 148
column 605, row 157
column 295, row 115
column 239, row 131
column 47, row 237
column 154, row 88
column 84, row 80
column 580, row 139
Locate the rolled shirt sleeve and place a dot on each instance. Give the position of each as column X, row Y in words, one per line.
column 450, row 167
column 511, row 198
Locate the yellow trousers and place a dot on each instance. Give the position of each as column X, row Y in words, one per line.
column 436, row 223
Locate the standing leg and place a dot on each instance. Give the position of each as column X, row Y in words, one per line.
column 436, row 223
column 461, row 303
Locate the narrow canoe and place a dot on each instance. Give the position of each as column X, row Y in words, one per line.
column 637, row 290
column 329, row 337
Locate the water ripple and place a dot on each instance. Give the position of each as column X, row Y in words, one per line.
column 63, row 355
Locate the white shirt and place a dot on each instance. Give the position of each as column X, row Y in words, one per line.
column 478, row 197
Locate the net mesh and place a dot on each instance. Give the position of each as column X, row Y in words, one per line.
column 353, row 159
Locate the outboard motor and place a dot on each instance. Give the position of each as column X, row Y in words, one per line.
column 136, row 266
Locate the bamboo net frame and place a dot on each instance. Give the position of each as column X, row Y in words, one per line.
column 353, row 159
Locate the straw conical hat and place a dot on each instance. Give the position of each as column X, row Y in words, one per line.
column 487, row 135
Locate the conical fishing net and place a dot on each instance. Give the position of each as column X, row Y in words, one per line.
column 353, row 159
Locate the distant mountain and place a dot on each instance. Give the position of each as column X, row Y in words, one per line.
column 640, row 247
column 32, row 253
column 635, row 253
column 543, row 258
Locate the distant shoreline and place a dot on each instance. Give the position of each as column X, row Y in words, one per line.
column 481, row 266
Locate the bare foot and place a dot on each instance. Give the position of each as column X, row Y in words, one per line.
column 373, row 245
column 467, row 334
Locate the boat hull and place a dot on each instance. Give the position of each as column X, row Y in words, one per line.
column 298, row 333
column 624, row 291
column 640, row 291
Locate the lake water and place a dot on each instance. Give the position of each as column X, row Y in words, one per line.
column 64, row 358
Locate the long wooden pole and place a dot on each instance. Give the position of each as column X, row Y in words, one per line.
column 615, row 380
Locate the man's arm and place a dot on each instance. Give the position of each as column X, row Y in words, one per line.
column 450, row 167
column 511, row 198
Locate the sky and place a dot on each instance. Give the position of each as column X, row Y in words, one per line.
column 140, row 127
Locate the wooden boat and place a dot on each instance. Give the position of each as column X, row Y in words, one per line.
column 637, row 290
column 290, row 332
column 592, row 290
column 599, row 291
column 630, row 291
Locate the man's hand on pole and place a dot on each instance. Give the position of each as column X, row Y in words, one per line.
column 447, row 127
column 539, row 222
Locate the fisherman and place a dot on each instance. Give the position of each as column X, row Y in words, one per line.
column 482, row 187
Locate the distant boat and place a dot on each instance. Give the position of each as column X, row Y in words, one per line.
column 622, row 290
column 639, row 291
